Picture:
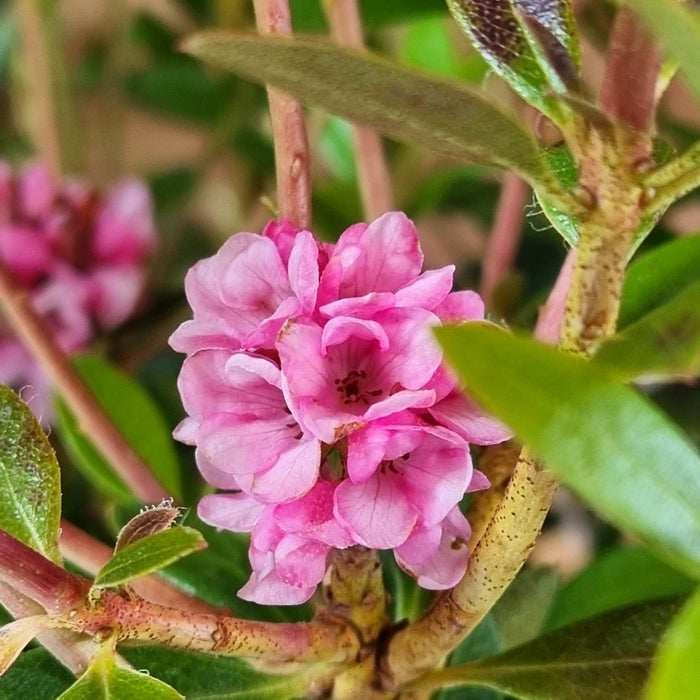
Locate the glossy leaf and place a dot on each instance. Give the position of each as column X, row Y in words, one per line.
column 15, row 636
column 397, row 101
column 607, row 657
column 678, row 29
column 608, row 443
column 148, row 555
column 136, row 416
column 36, row 675
column 104, row 680
column 656, row 277
column 532, row 45
column 665, row 342
column 676, row 673
column 204, row 677
column 30, row 485
column 620, row 577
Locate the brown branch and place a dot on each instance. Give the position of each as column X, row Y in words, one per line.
column 288, row 128
column 92, row 419
column 505, row 234
column 373, row 174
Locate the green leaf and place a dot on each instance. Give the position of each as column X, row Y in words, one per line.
column 30, row 484
column 397, row 101
column 407, row 599
column 532, row 45
column 676, row 673
column 607, row 657
column 207, row 677
column 16, row 635
column 678, row 30
column 36, row 675
column 665, row 342
column 620, row 577
column 148, row 522
column 609, row 444
column 135, row 415
column 104, row 680
column 656, row 277
column 148, row 555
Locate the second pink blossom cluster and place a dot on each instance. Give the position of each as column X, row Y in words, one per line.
column 80, row 257
column 317, row 399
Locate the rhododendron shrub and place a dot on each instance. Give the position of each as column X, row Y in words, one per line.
column 80, row 256
column 319, row 403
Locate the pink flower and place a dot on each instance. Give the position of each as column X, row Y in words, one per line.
column 316, row 396
column 80, row 258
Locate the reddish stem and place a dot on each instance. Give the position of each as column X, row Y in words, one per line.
column 551, row 314
column 373, row 174
column 92, row 419
column 32, row 575
column 288, row 127
column 628, row 94
column 505, row 234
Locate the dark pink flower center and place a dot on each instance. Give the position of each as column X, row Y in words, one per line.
column 352, row 390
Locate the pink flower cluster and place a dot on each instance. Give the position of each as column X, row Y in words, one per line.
column 80, row 257
column 316, row 396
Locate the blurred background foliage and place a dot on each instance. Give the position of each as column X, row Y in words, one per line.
column 201, row 139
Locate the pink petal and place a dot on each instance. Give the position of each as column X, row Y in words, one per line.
column 341, row 329
column 282, row 234
column 428, row 290
column 35, row 190
column 25, row 251
column 303, row 271
column 461, row 414
column 237, row 512
column 115, row 292
column 360, row 307
column 461, row 306
column 376, row 512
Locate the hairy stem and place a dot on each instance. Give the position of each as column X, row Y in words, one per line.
column 93, row 421
column 288, row 128
column 372, row 171
column 505, row 234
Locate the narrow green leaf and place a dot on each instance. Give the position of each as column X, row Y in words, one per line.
column 30, row 484
column 656, row 277
column 206, row 677
column 608, row 443
column 676, row 673
column 15, row 636
column 532, row 45
column 678, row 29
column 104, row 680
column 397, row 101
column 136, row 416
column 148, row 522
column 36, row 675
column 665, row 342
column 148, row 555
column 607, row 657
column 620, row 577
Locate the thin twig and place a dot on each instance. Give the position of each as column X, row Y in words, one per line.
column 288, row 127
column 505, row 234
column 551, row 314
column 91, row 417
column 90, row 555
column 373, row 173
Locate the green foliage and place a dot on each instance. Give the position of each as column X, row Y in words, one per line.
column 36, row 675
column 676, row 673
column 533, row 46
column 204, row 677
column 606, row 657
column 104, row 680
column 30, row 486
column 656, row 277
column 678, row 29
column 404, row 104
column 137, row 417
column 149, row 554
column 617, row 578
column 610, row 445
column 664, row 342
